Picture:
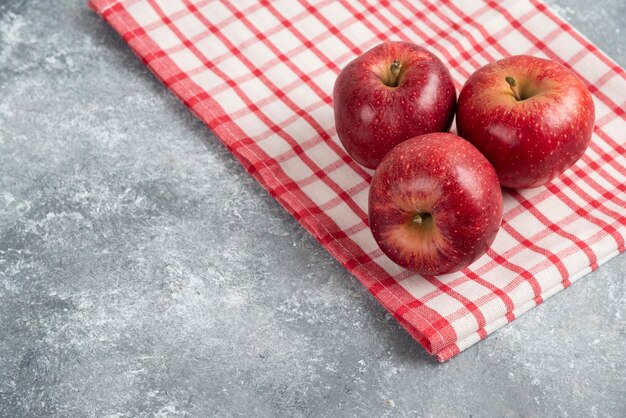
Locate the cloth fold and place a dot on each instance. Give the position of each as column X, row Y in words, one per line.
column 260, row 75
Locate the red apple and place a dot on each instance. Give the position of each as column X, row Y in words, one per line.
column 393, row 92
column 532, row 118
column 435, row 204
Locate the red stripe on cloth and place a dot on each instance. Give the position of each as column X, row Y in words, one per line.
column 279, row 55
column 558, row 229
column 468, row 306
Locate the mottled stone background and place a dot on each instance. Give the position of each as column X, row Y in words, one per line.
column 144, row 273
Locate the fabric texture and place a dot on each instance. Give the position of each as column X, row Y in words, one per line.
column 260, row 74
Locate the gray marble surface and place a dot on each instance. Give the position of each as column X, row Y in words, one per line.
column 144, row 273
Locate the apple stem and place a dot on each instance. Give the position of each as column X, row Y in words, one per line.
column 395, row 72
column 419, row 218
column 513, row 86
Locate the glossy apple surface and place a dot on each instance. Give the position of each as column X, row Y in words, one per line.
column 391, row 93
column 435, row 204
column 532, row 118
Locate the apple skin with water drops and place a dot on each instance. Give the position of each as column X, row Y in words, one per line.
column 435, row 204
column 531, row 117
column 393, row 92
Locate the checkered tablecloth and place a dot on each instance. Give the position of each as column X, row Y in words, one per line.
column 260, row 74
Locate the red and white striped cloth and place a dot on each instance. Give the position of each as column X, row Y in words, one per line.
column 260, row 74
